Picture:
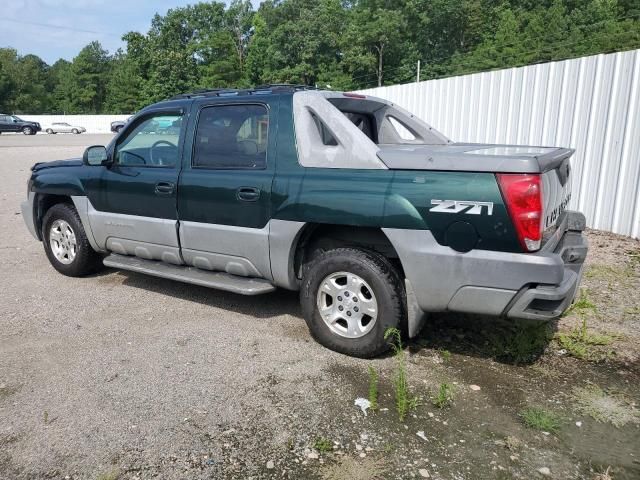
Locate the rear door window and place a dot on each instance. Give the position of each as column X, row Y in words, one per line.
column 231, row 137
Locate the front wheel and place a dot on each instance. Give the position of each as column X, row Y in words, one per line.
column 66, row 243
column 349, row 298
column 27, row 130
column 75, row 131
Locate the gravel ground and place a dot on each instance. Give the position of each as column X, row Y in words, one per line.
column 123, row 376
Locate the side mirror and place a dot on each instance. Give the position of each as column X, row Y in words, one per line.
column 95, row 156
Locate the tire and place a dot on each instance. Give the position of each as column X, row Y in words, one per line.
column 75, row 131
column 49, row 131
column 79, row 261
column 379, row 279
column 27, row 130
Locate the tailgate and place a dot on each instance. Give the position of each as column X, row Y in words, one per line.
column 556, row 191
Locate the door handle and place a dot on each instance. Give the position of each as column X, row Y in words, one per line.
column 248, row 194
column 165, row 188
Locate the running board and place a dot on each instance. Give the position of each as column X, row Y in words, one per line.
column 196, row 276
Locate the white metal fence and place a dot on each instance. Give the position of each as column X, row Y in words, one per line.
column 93, row 123
column 591, row 104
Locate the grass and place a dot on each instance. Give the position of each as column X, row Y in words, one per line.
column 582, row 305
column 323, row 445
column 520, row 342
column 404, row 400
column 603, row 407
column 582, row 343
column 348, row 468
column 444, row 397
column 444, row 354
column 540, row 419
column 110, row 475
column 373, row 388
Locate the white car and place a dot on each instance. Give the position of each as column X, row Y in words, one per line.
column 64, row 127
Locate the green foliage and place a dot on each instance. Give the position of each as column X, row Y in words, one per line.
column 404, row 400
column 519, row 342
column 329, row 43
column 444, row 397
column 323, row 445
column 373, row 388
column 583, row 343
column 540, row 419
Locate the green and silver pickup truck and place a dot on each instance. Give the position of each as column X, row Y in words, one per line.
column 374, row 216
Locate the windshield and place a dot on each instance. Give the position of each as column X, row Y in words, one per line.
column 18, row 119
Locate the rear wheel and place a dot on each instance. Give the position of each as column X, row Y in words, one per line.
column 49, row 131
column 66, row 243
column 27, row 130
column 349, row 298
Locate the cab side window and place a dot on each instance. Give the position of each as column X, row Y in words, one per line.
column 153, row 142
column 231, row 137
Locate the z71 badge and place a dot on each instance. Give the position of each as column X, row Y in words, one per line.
column 461, row 206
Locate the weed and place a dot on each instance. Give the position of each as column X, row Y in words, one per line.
column 113, row 474
column 404, row 401
column 373, row 388
column 540, row 419
column 606, row 475
column 349, row 468
column 580, row 342
column 582, row 305
column 513, row 443
column 323, row 445
column 519, row 343
column 445, row 354
column 45, row 417
column 444, row 397
column 604, row 407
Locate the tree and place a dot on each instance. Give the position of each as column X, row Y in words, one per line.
column 88, row 79
column 8, row 58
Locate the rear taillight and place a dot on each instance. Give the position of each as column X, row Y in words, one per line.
column 523, row 195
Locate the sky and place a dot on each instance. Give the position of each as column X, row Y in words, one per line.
column 54, row 29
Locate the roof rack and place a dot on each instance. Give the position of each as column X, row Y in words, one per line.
column 262, row 89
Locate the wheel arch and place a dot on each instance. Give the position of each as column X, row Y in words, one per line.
column 42, row 203
column 296, row 243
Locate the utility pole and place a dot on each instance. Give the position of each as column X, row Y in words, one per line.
column 418, row 72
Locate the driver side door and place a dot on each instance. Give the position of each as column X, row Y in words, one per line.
column 134, row 211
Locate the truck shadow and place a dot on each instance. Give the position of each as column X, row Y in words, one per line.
column 268, row 305
column 504, row 340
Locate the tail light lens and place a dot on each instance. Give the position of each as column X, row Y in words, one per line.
column 523, row 196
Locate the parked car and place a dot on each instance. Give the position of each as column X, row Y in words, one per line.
column 119, row 125
column 64, row 127
column 372, row 215
column 11, row 123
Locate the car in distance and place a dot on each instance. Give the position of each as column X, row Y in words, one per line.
column 64, row 127
column 11, row 123
column 118, row 125
column 371, row 214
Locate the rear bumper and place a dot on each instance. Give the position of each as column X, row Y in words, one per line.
column 543, row 302
column 538, row 285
